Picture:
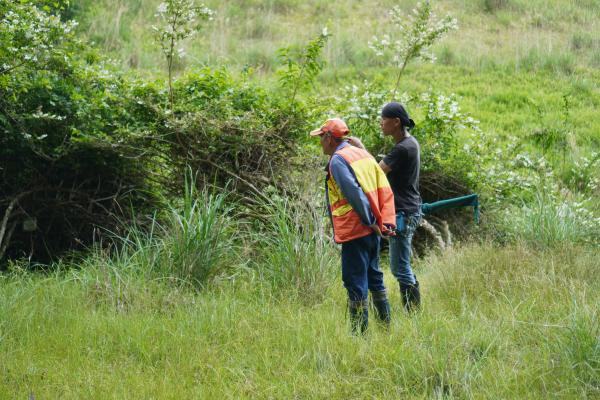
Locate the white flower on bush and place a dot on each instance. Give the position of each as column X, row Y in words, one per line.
column 30, row 36
column 161, row 9
column 446, row 110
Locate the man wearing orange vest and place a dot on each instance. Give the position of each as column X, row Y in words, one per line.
column 361, row 206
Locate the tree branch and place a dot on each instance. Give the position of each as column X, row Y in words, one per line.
column 7, row 241
column 250, row 185
column 8, row 214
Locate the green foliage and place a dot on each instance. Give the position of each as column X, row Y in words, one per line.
column 302, row 66
column 584, row 176
column 360, row 106
column 554, row 138
column 438, row 134
column 63, row 140
column 448, row 169
column 31, row 37
column 198, row 244
column 192, row 243
column 133, row 146
column 231, row 130
column 552, row 219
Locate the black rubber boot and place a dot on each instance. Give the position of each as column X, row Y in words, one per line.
column 359, row 316
column 411, row 296
column 382, row 307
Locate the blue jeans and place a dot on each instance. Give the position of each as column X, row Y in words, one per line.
column 400, row 247
column 360, row 267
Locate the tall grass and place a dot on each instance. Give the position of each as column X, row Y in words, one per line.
column 249, row 32
column 194, row 243
column 297, row 257
column 199, row 241
column 550, row 221
column 497, row 322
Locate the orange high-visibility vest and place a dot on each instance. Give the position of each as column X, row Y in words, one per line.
column 371, row 178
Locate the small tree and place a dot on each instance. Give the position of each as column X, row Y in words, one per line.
column 302, row 66
column 180, row 19
column 417, row 33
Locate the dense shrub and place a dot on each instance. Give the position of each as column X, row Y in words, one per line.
column 66, row 168
column 231, row 130
column 84, row 146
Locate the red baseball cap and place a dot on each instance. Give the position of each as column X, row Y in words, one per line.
column 335, row 126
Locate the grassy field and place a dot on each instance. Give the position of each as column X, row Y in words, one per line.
column 554, row 34
column 506, row 102
column 497, row 323
column 513, row 320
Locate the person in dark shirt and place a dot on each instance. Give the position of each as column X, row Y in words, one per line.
column 402, row 166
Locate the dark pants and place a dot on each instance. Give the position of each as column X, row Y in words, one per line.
column 360, row 267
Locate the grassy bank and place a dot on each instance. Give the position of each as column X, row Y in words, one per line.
column 510, row 104
column 497, row 323
column 528, row 34
column 511, row 62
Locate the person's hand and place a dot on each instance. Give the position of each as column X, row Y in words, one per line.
column 385, row 233
column 356, row 142
column 376, row 229
column 389, row 230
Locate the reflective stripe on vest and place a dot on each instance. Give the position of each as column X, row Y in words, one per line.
column 371, row 178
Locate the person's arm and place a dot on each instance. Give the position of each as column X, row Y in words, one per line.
column 356, row 142
column 346, row 181
column 392, row 159
column 386, row 168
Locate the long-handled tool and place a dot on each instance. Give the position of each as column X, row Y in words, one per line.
column 471, row 200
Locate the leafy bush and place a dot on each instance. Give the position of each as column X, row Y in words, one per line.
column 442, row 154
column 230, row 130
column 83, row 145
column 67, row 166
column 32, row 38
column 448, row 169
column 583, row 176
